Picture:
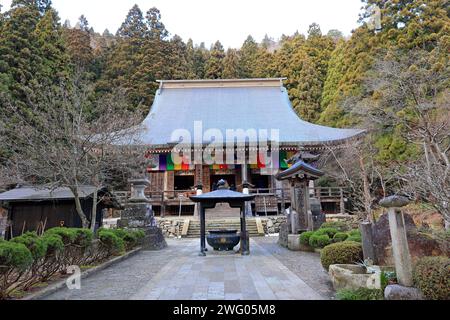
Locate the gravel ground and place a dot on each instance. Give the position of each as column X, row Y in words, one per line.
column 306, row 265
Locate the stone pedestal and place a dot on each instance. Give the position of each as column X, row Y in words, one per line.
column 154, row 239
column 318, row 217
column 294, row 242
column 367, row 241
column 138, row 214
column 402, row 257
column 283, row 235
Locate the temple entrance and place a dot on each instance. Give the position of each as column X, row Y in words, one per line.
column 260, row 181
column 184, row 183
column 230, row 179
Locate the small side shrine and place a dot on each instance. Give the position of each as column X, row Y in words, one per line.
column 304, row 215
column 235, row 200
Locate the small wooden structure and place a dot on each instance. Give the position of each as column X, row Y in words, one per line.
column 223, row 195
column 299, row 176
column 39, row 208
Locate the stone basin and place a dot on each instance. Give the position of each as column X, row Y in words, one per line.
column 352, row 276
column 223, row 240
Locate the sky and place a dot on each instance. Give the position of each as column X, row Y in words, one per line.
column 229, row 21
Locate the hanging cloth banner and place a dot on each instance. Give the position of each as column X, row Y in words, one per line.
column 261, row 161
column 185, row 165
column 162, row 162
column 283, row 160
column 170, row 164
column 153, row 162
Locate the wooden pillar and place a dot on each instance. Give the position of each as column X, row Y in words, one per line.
column 206, row 179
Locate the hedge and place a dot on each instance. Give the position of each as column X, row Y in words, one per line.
column 112, row 243
column 319, row 240
column 340, row 236
column 14, row 255
column 330, row 232
column 305, row 236
column 34, row 243
column 347, row 252
column 432, row 276
column 338, row 225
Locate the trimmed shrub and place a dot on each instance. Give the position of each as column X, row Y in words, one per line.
column 338, row 225
column 346, row 252
column 68, row 235
column 112, row 243
column 432, row 276
column 355, row 236
column 83, row 237
column 354, row 232
column 340, row 236
column 305, row 236
column 34, row 243
column 360, row 294
column 53, row 242
column 319, row 240
column 330, row 232
column 14, row 255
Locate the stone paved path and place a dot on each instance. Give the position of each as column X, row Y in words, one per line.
column 178, row 273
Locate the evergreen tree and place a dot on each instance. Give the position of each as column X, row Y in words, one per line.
column 79, row 47
column 20, row 55
column 231, row 65
column 248, row 58
column 214, row 65
column 134, row 26
column 200, row 58
column 155, row 26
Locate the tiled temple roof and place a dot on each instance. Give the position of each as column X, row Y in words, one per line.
column 232, row 104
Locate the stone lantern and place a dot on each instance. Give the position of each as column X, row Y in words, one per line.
column 138, row 214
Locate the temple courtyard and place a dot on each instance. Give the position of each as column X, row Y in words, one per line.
column 270, row 272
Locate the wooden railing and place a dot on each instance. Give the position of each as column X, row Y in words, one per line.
column 283, row 196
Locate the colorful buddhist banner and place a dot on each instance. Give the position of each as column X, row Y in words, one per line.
column 162, row 162
column 170, row 164
column 283, row 160
column 152, row 162
column 261, row 161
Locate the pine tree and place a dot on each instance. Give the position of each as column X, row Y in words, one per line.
column 200, row 58
column 79, row 47
column 214, row 65
column 55, row 60
column 231, row 65
column 134, row 26
column 155, row 26
column 248, row 58
column 21, row 59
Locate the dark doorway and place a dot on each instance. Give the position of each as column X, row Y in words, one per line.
column 184, row 183
column 260, row 182
column 230, row 179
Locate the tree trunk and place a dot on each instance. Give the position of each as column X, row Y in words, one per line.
column 366, row 191
column 84, row 220
column 94, row 210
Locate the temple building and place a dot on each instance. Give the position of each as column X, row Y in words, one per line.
column 204, row 112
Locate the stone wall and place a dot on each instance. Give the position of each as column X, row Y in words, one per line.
column 272, row 224
column 171, row 228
